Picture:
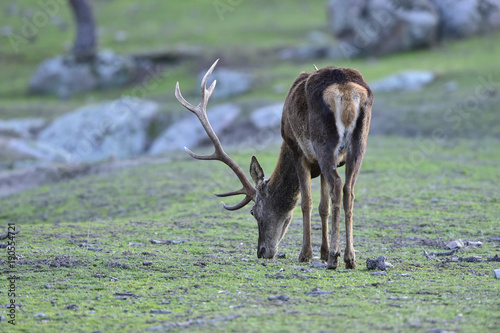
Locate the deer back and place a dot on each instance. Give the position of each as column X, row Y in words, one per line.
column 330, row 106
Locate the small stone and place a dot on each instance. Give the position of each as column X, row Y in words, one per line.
column 283, row 298
column 317, row 264
column 379, row 273
column 71, row 307
column 147, row 263
column 40, row 315
column 457, row 244
column 282, row 256
column 317, row 291
column 48, row 286
column 496, row 273
column 277, row 276
column 160, row 311
column 379, row 263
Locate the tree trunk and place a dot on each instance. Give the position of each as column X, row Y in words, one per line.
column 85, row 42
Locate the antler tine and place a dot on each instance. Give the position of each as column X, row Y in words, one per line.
column 205, row 94
column 242, row 204
column 201, row 112
column 228, row 194
column 315, row 68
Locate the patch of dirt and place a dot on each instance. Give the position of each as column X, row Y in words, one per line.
column 428, row 242
column 66, row 261
column 117, row 264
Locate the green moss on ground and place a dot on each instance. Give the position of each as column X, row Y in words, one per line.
column 213, row 280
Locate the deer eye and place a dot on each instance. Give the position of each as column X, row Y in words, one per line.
column 251, row 211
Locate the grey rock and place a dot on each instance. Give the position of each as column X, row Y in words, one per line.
column 465, row 18
column 25, row 128
column 496, row 273
column 229, row 83
column 457, row 244
column 188, row 132
column 404, row 80
column 117, row 129
column 374, row 27
column 267, row 116
column 20, row 151
column 64, row 76
column 283, row 298
column 317, row 264
column 160, row 311
column 378, row 273
column 40, row 315
column 316, row 291
column 305, row 52
column 379, row 263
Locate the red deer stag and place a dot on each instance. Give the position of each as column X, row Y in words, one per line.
column 325, row 123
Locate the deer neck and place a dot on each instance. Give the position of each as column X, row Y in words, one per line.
column 283, row 185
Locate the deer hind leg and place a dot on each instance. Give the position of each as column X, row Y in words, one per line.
column 328, row 168
column 353, row 166
column 324, row 213
column 304, row 174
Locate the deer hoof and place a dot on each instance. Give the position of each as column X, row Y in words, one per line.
column 350, row 263
column 305, row 255
column 324, row 253
column 333, row 259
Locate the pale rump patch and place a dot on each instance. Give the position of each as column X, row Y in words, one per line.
column 344, row 101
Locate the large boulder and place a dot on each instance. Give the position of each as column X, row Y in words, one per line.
column 18, row 152
column 64, row 76
column 465, row 18
column 117, row 129
column 267, row 116
column 229, row 82
column 404, row 80
column 21, row 128
column 375, row 27
column 188, row 132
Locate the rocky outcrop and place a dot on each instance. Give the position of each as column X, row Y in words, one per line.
column 268, row 116
column 64, row 76
column 465, row 18
column 405, row 80
column 188, row 132
column 229, row 83
column 118, row 129
column 21, row 128
column 376, row 27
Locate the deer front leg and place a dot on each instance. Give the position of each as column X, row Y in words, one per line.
column 324, row 213
column 304, row 174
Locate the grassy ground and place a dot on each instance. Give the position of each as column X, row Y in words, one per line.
column 213, row 280
column 435, row 179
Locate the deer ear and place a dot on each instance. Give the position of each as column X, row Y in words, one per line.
column 256, row 172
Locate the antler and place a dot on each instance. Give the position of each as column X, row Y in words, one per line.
column 201, row 112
